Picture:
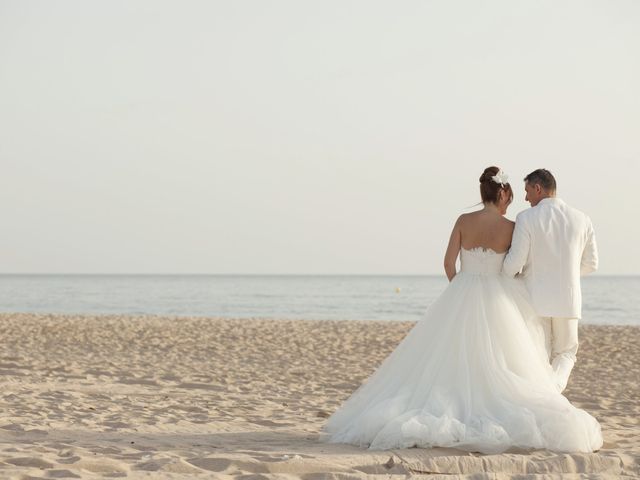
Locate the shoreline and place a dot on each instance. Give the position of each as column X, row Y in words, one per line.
column 136, row 316
column 133, row 396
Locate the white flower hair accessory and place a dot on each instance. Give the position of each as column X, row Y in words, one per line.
column 501, row 178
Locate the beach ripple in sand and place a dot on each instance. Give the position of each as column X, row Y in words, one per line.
column 159, row 397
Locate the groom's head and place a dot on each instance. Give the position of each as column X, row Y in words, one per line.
column 539, row 184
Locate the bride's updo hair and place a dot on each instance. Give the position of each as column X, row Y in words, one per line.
column 489, row 189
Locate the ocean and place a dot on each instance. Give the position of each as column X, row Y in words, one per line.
column 607, row 300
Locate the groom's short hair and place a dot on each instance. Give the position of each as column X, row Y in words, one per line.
column 542, row 177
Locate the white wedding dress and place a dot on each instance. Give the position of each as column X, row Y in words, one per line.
column 471, row 374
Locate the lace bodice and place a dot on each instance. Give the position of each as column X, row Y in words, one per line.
column 481, row 261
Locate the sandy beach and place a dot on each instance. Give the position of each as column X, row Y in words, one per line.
column 159, row 397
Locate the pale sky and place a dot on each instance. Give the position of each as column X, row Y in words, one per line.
column 304, row 137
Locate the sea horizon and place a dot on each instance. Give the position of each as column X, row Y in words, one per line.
column 607, row 299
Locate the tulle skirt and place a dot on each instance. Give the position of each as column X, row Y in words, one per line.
column 471, row 374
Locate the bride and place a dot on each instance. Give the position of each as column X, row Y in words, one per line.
column 470, row 374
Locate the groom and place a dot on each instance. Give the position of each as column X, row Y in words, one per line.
column 553, row 244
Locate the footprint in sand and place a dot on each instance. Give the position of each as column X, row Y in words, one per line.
column 269, row 423
column 29, row 462
column 102, row 467
column 228, row 466
column 61, row 474
column 152, row 465
column 211, row 464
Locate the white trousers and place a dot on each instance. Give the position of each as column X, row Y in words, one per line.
column 561, row 342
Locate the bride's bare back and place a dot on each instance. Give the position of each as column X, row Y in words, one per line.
column 486, row 229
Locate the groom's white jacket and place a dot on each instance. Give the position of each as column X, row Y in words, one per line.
column 553, row 244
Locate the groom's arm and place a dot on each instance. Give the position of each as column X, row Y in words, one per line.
column 518, row 254
column 589, row 262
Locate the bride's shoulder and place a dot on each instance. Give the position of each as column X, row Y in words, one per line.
column 464, row 217
column 504, row 224
column 509, row 225
column 467, row 220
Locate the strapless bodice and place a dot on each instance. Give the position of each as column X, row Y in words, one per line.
column 480, row 261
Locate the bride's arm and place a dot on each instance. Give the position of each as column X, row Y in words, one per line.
column 453, row 249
